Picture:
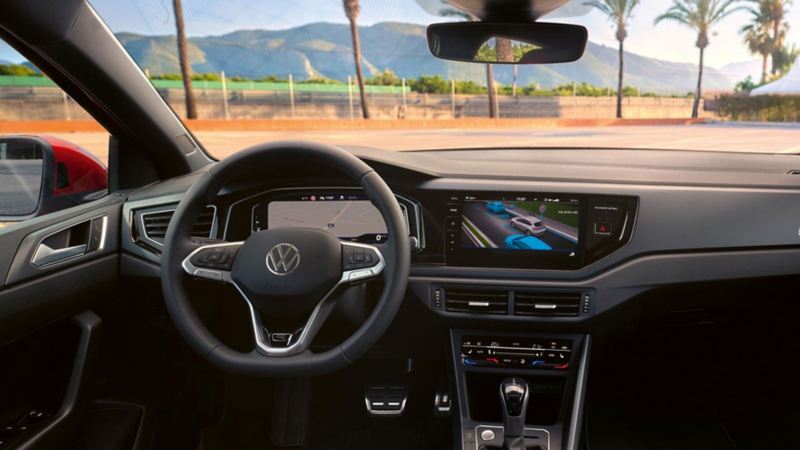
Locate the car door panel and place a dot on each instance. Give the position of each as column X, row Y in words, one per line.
column 18, row 241
column 48, row 331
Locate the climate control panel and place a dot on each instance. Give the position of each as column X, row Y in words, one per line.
column 512, row 352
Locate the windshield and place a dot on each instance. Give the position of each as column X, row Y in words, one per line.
column 663, row 74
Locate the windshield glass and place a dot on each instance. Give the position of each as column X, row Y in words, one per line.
column 663, row 74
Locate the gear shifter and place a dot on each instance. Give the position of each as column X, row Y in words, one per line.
column 514, row 395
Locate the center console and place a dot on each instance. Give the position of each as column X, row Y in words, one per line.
column 495, row 372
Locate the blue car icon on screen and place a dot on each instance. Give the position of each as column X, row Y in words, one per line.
column 496, row 207
column 522, row 242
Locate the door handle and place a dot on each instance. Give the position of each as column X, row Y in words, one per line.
column 70, row 242
column 46, row 255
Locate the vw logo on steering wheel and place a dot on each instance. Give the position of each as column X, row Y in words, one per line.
column 283, row 258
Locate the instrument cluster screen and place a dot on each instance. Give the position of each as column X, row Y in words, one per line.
column 348, row 215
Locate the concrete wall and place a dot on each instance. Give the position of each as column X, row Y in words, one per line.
column 44, row 103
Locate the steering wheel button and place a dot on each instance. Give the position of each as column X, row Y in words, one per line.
column 359, row 255
column 359, row 274
column 216, row 256
column 210, row 274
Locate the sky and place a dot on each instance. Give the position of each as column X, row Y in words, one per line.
column 666, row 41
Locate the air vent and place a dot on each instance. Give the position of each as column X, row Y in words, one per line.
column 547, row 304
column 155, row 224
column 476, row 301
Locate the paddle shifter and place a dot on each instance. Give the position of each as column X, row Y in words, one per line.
column 514, row 395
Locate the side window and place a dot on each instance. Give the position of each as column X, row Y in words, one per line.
column 53, row 155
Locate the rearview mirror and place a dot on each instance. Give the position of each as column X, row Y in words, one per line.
column 42, row 174
column 507, row 43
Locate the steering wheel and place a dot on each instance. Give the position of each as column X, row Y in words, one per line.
column 285, row 273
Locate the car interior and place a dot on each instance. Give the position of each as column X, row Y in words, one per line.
column 211, row 304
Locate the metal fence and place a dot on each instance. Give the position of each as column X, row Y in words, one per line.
column 227, row 84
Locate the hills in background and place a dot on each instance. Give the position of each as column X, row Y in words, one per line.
column 741, row 70
column 324, row 50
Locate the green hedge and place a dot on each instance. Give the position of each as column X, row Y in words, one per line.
column 761, row 108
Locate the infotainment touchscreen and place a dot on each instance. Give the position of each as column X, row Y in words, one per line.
column 521, row 223
column 525, row 230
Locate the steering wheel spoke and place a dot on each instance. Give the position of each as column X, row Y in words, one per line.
column 212, row 261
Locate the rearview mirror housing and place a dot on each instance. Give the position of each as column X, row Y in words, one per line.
column 507, row 43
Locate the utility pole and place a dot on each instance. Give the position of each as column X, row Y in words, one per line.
column 183, row 57
column 404, row 98
column 350, row 93
column 224, row 96
column 453, row 98
column 291, row 93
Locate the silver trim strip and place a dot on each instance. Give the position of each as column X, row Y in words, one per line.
column 573, row 435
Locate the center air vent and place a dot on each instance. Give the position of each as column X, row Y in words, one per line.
column 476, row 301
column 550, row 304
column 155, row 224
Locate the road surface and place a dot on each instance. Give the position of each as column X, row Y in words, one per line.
column 712, row 137
column 497, row 228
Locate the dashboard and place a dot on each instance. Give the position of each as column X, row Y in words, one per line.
column 578, row 231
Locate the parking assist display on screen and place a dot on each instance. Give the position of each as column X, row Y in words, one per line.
column 524, row 223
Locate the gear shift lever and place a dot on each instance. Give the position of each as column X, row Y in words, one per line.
column 514, row 396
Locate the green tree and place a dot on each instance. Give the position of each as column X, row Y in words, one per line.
column 699, row 15
column 757, row 35
column 430, row 84
column 746, row 85
column 783, row 58
column 352, row 9
column 17, row 70
column 386, row 78
column 272, row 79
column 618, row 12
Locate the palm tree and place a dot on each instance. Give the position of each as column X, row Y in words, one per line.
column 699, row 15
column 776, row 11
column 504, row 51
column 490, row 90
column 352, row 9
column 183, row 58
column 757, row 36
column 618, row 11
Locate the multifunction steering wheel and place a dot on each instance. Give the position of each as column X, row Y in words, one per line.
column 285, row 273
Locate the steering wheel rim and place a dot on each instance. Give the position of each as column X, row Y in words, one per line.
column 178, row 247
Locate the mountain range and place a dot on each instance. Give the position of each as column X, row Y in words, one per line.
column 324, row 50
